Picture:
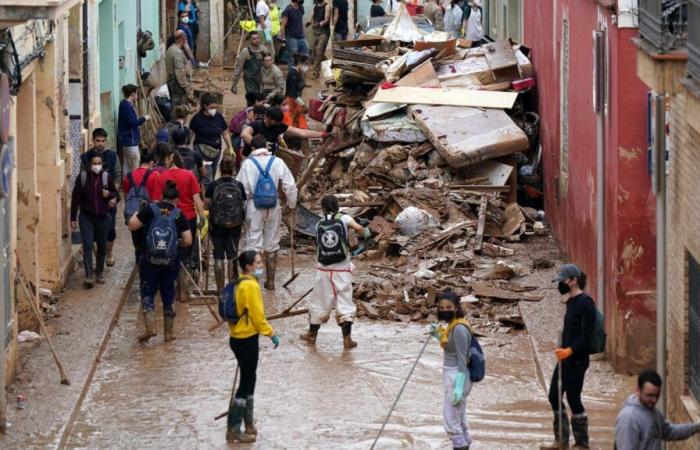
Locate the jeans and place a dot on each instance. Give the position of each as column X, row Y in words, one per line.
column 246, row 352
column 132, row 157
column 225, row 242
column 112, row 232
column 93, row 230
column 296, row 46
column 320, row 43
column 158, row 278
column 572, row 377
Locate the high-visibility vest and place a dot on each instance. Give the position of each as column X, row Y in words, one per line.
column 275, row 19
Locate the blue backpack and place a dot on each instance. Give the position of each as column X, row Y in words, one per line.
column 162, row 238
column 137, row 195
column 477, row 361
column 227, row 304
column 265, row 195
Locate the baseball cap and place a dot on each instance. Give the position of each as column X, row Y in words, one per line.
column 567, row 271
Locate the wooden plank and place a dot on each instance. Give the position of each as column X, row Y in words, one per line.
column 499, row 55
column 422, row 76
column 481, row 289
column 359, row 42
column 447, row 97
column 480, row 226
column 480, row 187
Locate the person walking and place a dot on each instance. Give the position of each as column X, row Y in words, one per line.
column 640, row 426
column 573, row 359
column 94, row 193
column 210, row 128
column 273, row 82
column 190, row 202
column 455, row 340
column 110, row 162
column 321, row 27
column 453, row 19
column 178, row 72
column 244, row 341
column 262, row 14
column 249, row 64
column 225, row 199
column 292, row 30
column 473, row 27
column 167, row 229
column 261, row 173
column 128, row 123
column 333, row 282
column 433, row 12
column 144, row 176
column 340, row 20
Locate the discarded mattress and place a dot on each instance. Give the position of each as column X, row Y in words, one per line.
column 464, row 136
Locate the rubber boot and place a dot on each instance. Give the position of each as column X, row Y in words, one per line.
column 248, row 420
column 220, row 274
column 100, row 277
column 579, row 428
column 169, row 322
column 150, row 321
column 89, row 281
column 270, row 267
column 232, row 270
column 347, row 340
column 110, row 254
column 233, row 425
column 183, row 287
column 560, row 442
column 310, row 336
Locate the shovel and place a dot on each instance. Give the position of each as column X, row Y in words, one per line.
column 291, row 239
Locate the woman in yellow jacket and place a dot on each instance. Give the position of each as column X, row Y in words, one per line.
column 244, row 343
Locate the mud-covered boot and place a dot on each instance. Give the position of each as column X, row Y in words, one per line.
column 183, row 287
column 347, row 339
column 579, row 428
column 219, row 275
column 560, row 442
column 110, row 254
column 169, row 322
column 233, row 426
column 310, row 336
column 149, row 318
column 270, row 268
column 232, row 270
column 248, row 419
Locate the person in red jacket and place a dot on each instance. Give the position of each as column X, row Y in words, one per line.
column 154, row 193
column 94, row 194
column 189, row 202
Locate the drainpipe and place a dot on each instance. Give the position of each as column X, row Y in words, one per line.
column 599, row 96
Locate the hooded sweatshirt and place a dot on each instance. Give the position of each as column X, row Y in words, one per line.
column 641, row 428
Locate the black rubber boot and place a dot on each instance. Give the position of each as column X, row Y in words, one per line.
column 270, row 269
column 233, row 425
column 347, row 339
column 579, row 428
column 560, row 442
column 310, row 336
column 249, row 420
column 219, row 274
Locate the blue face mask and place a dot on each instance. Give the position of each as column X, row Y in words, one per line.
column 258, row 273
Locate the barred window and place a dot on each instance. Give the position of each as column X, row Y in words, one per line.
column 694, row 327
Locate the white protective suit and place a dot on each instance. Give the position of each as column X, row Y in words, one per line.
column 262, row 226
column 333, row 287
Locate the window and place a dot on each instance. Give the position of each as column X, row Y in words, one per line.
column 694, row 327
column 662, row 23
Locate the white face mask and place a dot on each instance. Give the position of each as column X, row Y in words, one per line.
column 185, row 19
column 97, row 168
column 211, row 112
column 304, row 67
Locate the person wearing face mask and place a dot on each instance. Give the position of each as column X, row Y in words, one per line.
column 244, row 341
column 193, row 14
column 573, row 358
column 209, row 128
column 93, row 191
column 128, row 123
column 178, row 71
column 333, row 283
column 455, row 339
column 184, row 26
column 262, row 224
column 249, row 64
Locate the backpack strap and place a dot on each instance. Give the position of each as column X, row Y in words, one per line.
column 83, row 178
column 144, row 180
column 269, row 165
column 257, row 164
column 130, row 178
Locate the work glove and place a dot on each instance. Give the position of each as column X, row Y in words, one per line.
column 229, row 152
column 563, row 353
column 436, row 330
column 275, row 341
column 458, row 390
column 367, row 233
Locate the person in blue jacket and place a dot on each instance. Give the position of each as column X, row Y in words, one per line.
column 128, row 123
column 191, row 7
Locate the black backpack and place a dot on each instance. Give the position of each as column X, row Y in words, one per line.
column 331, row 240
column 227, row 205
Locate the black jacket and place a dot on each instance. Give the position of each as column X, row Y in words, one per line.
column 579, row 321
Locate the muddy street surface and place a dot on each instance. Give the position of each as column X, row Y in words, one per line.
column 167, row 395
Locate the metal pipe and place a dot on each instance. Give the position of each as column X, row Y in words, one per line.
column 599, row 103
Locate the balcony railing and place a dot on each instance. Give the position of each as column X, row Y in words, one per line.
column 664, row 23
column 694, row 39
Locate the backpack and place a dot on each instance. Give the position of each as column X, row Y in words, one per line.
column 331, row 240
column 137, row 195
column 227, row 205
column 228, row 309
column 265, row 194
column 597, row 342
column 161, row 241
column 477, row 361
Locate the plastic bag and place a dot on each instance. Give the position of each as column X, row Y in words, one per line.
column 413, row 220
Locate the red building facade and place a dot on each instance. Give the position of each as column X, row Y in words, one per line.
column 561, row 36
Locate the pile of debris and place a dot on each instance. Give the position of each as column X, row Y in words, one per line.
column 439, row 154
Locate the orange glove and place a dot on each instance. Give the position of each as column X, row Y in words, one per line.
column 563, row 353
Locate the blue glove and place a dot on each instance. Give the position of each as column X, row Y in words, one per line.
column 458, row 391
column 435, row 330
column 367, row 233
column 275, row 341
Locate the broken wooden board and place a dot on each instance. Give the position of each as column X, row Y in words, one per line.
column 496, row 173
column 500, row 56
column 422, row 76
column 444, row 48
column 486, row 290
column 465, row 136
column 447, row 97
column 514, row 219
